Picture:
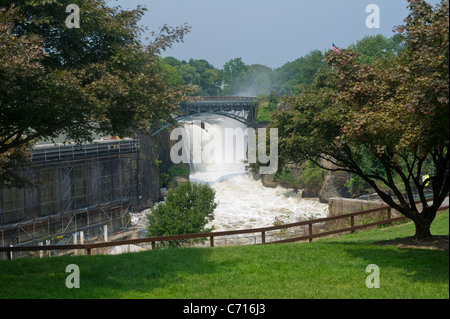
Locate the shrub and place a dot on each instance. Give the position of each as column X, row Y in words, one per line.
column 173, row 171
column 310, row 176
column 177, row 170
column 187, row 210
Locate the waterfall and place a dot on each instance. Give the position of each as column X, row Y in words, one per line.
column 213, row 161
column 242, row 202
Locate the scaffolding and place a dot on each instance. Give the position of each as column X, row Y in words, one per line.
column 78, row 188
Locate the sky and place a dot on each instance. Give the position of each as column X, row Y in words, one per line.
column 267, row 32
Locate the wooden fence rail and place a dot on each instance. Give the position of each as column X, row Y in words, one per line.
column 153, row 240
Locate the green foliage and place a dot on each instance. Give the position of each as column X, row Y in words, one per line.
column 173, row 171
column 310, row 177
column 300, row 72
column 355, row 184
column 96, row 79
column 264, row 111
column 378, row 46
column 255, row 80
column 286, row 175
column 164, row 179
column 177, row 170
column 246, row 80
column 265, row 105
column 233, row 69
column 187, row 209
column 173, row 78
column 199, row 73
column 381, row 121
column 238, row 78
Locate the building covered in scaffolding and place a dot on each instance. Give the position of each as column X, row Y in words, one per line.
column 78, row 188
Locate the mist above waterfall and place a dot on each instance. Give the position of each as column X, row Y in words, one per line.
column 251, row 80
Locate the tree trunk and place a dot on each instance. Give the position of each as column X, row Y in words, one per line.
column 422, row 230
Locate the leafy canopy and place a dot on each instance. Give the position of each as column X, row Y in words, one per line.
column 96, row 79
column 187, row 209
column 392, row 113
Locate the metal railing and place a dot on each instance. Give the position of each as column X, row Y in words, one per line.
column 50, row 153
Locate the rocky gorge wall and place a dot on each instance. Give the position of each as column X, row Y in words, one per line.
column 154, row 158
column 331, row 191
column 332, row 186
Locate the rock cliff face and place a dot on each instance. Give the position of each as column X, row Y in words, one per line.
column 154, row 157
column 163, row 146
column 333, row 186
column 267, row 180
column 148, row 172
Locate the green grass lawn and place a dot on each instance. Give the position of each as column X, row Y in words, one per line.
column 328, row 268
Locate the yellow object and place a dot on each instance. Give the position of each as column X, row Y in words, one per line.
column 424, row 177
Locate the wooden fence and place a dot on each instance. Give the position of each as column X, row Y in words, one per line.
column 153, row 240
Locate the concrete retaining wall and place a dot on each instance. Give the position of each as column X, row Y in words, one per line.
column 339, row 205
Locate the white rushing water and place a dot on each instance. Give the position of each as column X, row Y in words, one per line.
column 242, row 201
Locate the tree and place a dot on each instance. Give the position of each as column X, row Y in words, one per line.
column 231, row 72
column 99, row 78
column 208, row 79
column 199, row 73
column 370, row 48
column 19, row 70
column 211, row 82
column 173, row 78
column 298, row 73
column 393, row 113
column 186, row 210
column 232, row 69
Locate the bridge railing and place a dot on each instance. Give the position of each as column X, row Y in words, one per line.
column 262, row 231
column 238, row 108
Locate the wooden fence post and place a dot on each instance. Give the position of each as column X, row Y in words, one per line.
column 352, row 224
column 389, row 216
column 263, row 237
column 310, row 230
column 211, row 241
